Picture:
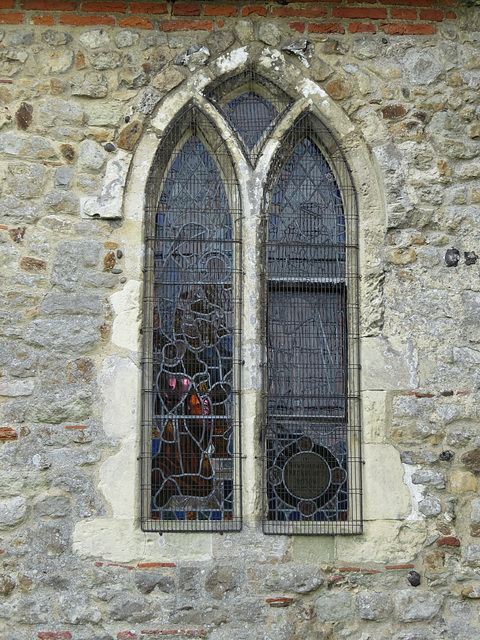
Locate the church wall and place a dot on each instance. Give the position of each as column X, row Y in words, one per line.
column 87, row 91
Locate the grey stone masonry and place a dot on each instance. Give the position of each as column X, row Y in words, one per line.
column 88, row 92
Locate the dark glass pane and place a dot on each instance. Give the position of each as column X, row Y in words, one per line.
column 192, row 443
column 250, row 115
column 306, row 226
column 306, row 340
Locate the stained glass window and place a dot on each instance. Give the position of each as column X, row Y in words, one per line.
column 311, row 387
column 306, row 270
column 192, row 479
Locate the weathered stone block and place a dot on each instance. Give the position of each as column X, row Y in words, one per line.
column 21, row 481
column 53, row 507
column 64, row 334
column 61, row 202
column 148, row 581
column 56, row 38
column 387, row 364
column 471, row 460
column 334, row 607
column 55, row 111
column 102, row 60
column 91, row 156
column 426, row 476
column 55, row 408
column 56, row 303
column 95, row 38
column 129, row 135
column 7, row 584
column 93, row 85
column 14, row 144
column 124, row 606
column 416, row 605
column 462, row 481
column 430, row 507
column 168, row 79
column 126, row 38
column 148, row 101
column 475, row 512
column 223, row 580
column 374, row 606
column 104, row 115
column 63, row 177
column 12, row 511
column 26, row 181
column 301, row 579
column 15, row 388
column 56, row 62
column 471, row 554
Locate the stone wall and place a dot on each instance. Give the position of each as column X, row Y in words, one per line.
column 87, row 90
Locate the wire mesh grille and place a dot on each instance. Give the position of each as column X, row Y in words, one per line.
column 252, row 104
column 311, row 434
column 191, row 379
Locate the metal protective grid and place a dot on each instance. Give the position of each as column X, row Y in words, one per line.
column 311, row 434
column 252, row 104
column 191, row 375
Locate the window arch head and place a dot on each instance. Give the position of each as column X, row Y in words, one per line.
column 252, row 104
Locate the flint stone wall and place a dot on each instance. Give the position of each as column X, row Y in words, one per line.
column 86, row 90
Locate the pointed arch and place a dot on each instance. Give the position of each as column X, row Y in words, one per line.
column 190, row 449
column 312, row 415
column 252, row 105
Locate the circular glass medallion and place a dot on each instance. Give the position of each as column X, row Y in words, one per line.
column 306, row 476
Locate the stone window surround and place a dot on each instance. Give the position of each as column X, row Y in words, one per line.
column 119, row 536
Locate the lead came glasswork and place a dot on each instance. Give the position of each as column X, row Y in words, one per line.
column 308, row 218
column 311, row 399
column 192, row 471
column 252, row 105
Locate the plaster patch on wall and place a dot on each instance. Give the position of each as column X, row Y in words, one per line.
column 109, row 203
column 126, row 326
column 411, row 357
column 387, row 541
column 199, row 81
column 384, row 469
column 117, row 472
column 118, row 382
column 251, row 378
column 113, row 540
column 178, row 546
column 416, row 491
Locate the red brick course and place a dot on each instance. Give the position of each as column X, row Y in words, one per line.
column 400, row 17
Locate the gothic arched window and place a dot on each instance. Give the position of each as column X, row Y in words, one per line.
column 190, row 477
column 311, row 426
column 302, row 256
